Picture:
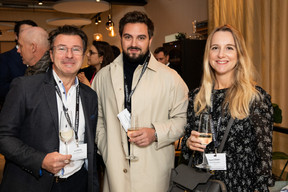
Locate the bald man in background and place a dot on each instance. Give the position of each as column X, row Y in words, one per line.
column 34, row 49
column 11, row 65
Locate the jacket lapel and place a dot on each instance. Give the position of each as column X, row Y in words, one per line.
column 50, row 96
column 117, row 78
column 85, row 106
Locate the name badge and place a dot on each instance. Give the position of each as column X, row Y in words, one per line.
column 79, row 152
column 124, row 117
column 217, row 161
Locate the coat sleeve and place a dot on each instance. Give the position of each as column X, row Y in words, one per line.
column 12, row 118
column 171, row 130
column 100, row 138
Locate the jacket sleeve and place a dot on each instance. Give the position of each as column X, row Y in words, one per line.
column 171, row 130
column 12, row 118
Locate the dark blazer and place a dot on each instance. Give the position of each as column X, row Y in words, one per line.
column 29, row 130
column 11, row 66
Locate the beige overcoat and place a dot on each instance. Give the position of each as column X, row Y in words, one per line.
column 160, row 101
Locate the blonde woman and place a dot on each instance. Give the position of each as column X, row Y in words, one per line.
column 228, row 90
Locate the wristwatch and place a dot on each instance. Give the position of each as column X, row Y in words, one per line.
column 156, row 138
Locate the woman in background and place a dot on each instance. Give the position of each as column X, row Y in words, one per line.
column 228, row 90
column 99, row 55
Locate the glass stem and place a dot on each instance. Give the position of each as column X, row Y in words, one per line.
column 66, row 148
column 132, row 150
column 204, row 159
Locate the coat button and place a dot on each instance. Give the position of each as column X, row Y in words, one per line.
column 125, row 170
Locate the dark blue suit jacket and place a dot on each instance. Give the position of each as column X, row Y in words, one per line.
column 11, row 66
column 29, row 130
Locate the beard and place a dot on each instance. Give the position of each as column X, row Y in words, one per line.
column 133, row 57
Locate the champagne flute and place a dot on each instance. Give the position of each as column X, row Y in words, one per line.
column 133, row 127
column 205, row 136
column 66, row 129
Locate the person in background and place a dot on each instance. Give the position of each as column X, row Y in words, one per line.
column 34, row 50
column 162, row 55
column 228, row 90
column 116, row 51
column 37, row 159
column 135, row 84
column 11, row 65
column 99, row 55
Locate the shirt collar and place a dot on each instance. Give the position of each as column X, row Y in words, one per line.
column 58, row 80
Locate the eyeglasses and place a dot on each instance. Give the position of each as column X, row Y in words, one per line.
column 61, row 49
column 92, row 52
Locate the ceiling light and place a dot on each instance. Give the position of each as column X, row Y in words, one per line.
column 40, row 2
column 81, row 6
column 97, row 37
column 112, row 32
column 97, row 18
column 109, row 23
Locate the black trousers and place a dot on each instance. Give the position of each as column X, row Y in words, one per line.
column 78, row 182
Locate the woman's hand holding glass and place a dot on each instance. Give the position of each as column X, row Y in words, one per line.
column 194, row 143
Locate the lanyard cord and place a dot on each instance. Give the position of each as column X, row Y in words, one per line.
column 127, row 95
column 65, row 110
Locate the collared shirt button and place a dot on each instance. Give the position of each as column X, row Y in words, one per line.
column 125, row 170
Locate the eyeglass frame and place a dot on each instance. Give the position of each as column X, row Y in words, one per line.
column 65, row 51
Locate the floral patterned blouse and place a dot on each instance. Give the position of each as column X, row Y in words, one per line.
column 248, row 147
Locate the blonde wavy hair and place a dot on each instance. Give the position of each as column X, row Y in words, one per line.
column 242, row 91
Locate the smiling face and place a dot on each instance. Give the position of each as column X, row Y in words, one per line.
column 135, row 41
column 67, row 63
column 223, row 54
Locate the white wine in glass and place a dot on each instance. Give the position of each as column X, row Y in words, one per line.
column 205, row 136
column 66, row 130
column 133, row 127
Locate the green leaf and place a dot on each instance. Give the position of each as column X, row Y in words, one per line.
column 277, row 155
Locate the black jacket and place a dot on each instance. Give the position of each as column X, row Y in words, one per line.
column 29, row 130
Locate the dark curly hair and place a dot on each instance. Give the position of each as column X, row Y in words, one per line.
column 136, row 17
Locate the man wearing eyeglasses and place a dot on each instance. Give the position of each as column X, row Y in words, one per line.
column 38, row 156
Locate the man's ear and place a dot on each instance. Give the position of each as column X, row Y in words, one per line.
column 150, row 41
column 34, row 47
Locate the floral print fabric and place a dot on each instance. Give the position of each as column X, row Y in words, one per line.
column 248, row 147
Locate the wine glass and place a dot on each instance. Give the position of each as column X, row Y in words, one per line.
column 205, row 136
column 133, row 127
column 66, row 129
